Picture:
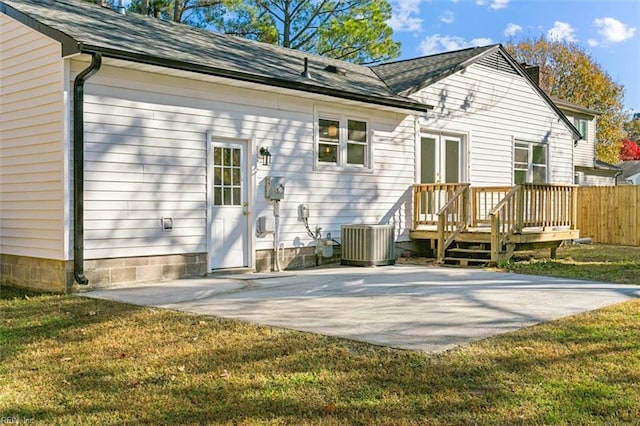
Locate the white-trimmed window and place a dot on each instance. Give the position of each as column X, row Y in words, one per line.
column 529, row 162
column 343, row 141
column 583, row 126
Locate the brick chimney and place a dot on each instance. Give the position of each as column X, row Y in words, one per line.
column 533, row 71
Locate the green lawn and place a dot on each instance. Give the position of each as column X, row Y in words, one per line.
column 615, row 264
column 71, row 360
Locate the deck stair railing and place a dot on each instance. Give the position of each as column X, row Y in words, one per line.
column 505, row 221
column 530, row 206
column 453, row 218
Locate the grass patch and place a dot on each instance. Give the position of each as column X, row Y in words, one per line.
column 71, row 360
column 597, row 262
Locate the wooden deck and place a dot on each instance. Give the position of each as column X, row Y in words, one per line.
column 487, row 225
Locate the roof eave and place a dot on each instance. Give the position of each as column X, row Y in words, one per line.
column 70, row 46
column 254, row 78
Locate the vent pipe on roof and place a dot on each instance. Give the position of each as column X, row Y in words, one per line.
column 121, row 9
column 306, row 73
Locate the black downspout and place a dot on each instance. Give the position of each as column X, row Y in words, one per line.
column 78, row 167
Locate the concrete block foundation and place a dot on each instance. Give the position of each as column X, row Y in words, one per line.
column 57, row 275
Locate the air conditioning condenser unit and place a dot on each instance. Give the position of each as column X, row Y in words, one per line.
column 368, row 245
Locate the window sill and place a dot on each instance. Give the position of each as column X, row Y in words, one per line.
column 327, row 168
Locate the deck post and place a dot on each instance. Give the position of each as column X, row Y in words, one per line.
column 520, row 210
column 416, row 206
column 495, row 238
column 574, row 208
column 465, row 209
column 441, row 248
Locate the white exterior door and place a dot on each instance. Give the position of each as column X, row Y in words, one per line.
column 228, row 207
column 441, row 158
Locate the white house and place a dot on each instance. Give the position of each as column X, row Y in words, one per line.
column 134, row 149
column 589, row 171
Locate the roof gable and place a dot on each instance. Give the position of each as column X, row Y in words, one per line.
column 410, row 76
column 83, row 27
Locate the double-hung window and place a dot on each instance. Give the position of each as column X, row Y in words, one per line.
column 529, row 162
column 343, row 141
column 583, row 126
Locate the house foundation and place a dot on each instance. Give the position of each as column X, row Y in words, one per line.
column 294, row 258
column 36, row 273
column 131, row 270
column 57, row 275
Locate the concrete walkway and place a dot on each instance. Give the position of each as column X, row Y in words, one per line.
column 405, row 306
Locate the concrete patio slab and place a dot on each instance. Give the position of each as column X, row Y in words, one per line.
column 413, row 307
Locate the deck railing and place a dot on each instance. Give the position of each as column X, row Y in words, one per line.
column 484, row 200
column 428, row 200
column 548, row 206
column 531, row 206
column 453, row 218
column 508, row 210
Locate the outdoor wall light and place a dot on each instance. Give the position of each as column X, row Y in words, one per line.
column 266, row 156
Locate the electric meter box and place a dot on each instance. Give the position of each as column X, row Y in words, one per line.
column 274, row 188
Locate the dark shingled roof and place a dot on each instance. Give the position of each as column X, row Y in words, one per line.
column 85, row 27
column 629, row 168
column 409, row 76
column 601, row 165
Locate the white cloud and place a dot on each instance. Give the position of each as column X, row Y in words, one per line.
column 447, row 17
column 455, row 1
column 512, row 29
column 593, row 42
column 495, row 4
column 499, row 4
column 613, row 30
column 405, row 16
column 562, row 31
column 437, row 43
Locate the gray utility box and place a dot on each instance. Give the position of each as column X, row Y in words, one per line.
column 368, row 245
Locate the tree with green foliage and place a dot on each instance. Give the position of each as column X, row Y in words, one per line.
column 350, row 30
column 569, row 73
column 632, row 129
column 198, row 13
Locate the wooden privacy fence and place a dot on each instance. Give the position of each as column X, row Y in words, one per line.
column 610, row 214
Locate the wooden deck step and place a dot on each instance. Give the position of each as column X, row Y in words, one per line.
column 469, row 250
column 464, row 261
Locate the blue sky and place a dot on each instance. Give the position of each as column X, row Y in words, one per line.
column 608, row 30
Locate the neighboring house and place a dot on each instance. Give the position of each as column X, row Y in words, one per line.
column 134, row 149
column 589, row 171
column 630, row 172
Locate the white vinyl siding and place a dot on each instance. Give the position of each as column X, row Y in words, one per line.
column 494, row 107
column 146, row 150
column 31, row 145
